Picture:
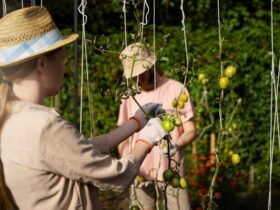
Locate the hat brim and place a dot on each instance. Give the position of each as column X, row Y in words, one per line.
column 138, row 68
column 61, row 43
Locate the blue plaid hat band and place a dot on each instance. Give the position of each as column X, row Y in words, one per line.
column 30, row 47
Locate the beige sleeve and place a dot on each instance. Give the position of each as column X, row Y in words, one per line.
column 66, row 152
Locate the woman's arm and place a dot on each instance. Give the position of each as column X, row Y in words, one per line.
column 112, row 139
column 188, row 135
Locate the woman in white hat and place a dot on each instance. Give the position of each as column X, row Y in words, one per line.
column 138, row 62
column 45, row 162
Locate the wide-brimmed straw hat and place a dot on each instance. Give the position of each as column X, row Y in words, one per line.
column 28, row 33
column 136, row 59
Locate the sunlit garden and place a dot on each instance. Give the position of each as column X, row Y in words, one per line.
column 227, row 55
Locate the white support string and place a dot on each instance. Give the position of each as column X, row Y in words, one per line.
column 220, row 36
column 41, row 3
column 124, row 20
column 125, row 30
column 274, row 120
column 154, row 43
column 84, row 64
column 144, row 18
column 276, row 101
column 221, row 65
column 22, row 4
column 185, row 41
column 4, row 7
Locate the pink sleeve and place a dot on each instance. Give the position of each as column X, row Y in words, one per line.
column 123, row 115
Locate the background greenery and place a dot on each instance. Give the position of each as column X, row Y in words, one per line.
column 246, row 30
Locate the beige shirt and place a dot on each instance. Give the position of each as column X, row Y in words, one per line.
column 49, row 165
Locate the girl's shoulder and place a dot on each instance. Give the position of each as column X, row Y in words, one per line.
column 29, row 110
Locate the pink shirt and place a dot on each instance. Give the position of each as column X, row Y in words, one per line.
column 168, row 89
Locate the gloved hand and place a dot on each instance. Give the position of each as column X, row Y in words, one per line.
column 151, row 109
column 152, row 132
column 163, row 149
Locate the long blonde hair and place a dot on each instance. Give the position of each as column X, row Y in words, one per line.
column 8, row 76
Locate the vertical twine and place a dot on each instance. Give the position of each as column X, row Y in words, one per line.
column 4, row 7
column 185, row 41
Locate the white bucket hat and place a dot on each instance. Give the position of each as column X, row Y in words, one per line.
column 28, row 33
column 136, row 59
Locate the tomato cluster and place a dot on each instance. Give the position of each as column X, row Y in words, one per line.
column 180, row 103
column 169, row 122
column 173, row 177
column 203, row 78
column 230, row 71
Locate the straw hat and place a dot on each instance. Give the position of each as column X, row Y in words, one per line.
column 28, row 33
column 136, row 59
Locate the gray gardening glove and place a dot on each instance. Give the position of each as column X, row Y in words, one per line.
column 152, row 132
column 151, row 109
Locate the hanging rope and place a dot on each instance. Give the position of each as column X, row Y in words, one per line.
column 144, row 18
column 125, row 25
column 274, row 120
column 4, row 7
column 41, row 3
column 154, row 43
column 84, row 64
column 22, row 5
column 185, row 41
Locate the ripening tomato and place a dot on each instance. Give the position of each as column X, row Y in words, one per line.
column 223, row 82
column 140, row 179
column 201, row 76
column 184, row 97
column 167, row 125
column 235, row 158
column 181, row 104
column 183, row 183
column 230, row 71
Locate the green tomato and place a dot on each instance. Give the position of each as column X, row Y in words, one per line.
column 167, row 175
column 230, row 71
column 134, row 207
column 178, row 122
column 174, row 102
column 167, row 125
column 204, row 81
column 175, row 182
